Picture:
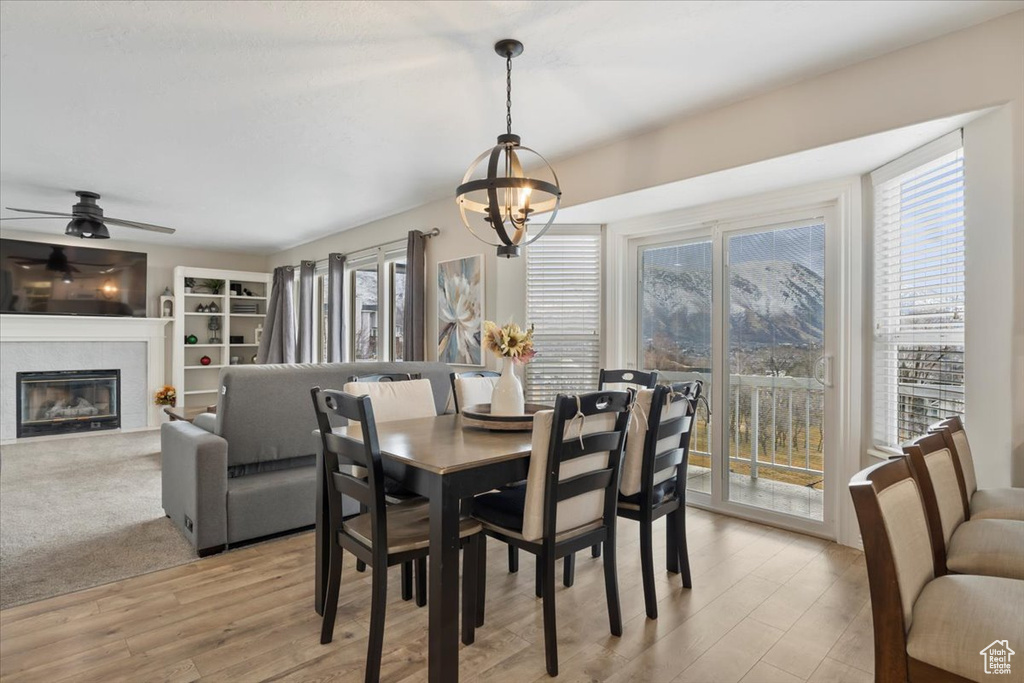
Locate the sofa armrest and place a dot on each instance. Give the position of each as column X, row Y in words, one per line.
column 194, row 476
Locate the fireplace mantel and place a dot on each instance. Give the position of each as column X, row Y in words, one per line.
column 73, row 328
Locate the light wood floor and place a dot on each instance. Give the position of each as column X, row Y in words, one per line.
column 766, row 605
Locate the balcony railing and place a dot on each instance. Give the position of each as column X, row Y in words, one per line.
column 775, row 423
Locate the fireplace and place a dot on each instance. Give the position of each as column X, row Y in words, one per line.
column 68, row 401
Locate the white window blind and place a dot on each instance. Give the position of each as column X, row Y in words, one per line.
column 919, row 291
column 563, row 302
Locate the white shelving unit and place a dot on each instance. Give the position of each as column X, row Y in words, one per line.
column 197, row 384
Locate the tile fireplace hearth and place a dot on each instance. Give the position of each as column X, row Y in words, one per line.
column 68, row 401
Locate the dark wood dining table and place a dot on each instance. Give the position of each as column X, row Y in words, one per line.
column 445, row 462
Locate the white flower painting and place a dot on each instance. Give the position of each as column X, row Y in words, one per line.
column 460, row 310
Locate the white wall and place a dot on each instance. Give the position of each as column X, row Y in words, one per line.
column 979, row 67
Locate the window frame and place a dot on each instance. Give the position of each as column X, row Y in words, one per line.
column 923, row 156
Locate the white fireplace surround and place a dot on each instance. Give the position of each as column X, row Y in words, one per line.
column 125, row 333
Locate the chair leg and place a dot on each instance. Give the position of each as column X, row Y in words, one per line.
column 407, row 580
column 378, row 609
column 647, row 568
column 513, row 559
column 671, row 544
column 568, row 569
column 538, row 587
column 331, row 599
column 684, row 555
column 481, row 580
column 470, row 593
column 595, row 550
column 421, row 582
column 547, row 563
column 360, row 565
column 611, row 587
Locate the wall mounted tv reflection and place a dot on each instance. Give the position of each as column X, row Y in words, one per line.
column 57, row 279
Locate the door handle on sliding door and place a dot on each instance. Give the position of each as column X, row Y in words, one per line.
column 823, row 370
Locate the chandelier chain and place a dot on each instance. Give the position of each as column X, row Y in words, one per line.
column 508, row 92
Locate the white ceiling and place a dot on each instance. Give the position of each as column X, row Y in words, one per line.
column 258, row 126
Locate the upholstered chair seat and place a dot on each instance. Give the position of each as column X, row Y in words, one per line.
column 947, row 615
column 990, row 547
column 998, row 504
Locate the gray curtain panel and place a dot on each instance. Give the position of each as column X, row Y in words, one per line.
column 414, row 324
column 335, row 307
column 307, row 270
column 277, row 345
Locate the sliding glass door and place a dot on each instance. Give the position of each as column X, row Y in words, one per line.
column 744, row 308
column 775, row 341
column 675, row 332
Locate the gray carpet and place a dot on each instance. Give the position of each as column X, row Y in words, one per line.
column 81, row 512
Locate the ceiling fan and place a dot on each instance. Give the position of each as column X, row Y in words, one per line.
column 87, row 219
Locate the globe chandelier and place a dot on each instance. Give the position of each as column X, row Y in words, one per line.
column 497, row 199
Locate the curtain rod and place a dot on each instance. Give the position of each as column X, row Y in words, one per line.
column 433, row 232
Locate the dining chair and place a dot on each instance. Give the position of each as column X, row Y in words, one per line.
column 397, row 396
column 629, row 378
column 653, row 483
column 569, row 499
column 385, row 535
column 473, row 387
column 995, row 503
column 928, row 626
column 990, row 547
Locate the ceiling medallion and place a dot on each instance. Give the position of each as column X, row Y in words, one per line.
column 497, row 198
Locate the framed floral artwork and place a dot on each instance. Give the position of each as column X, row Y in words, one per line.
column 460, row 310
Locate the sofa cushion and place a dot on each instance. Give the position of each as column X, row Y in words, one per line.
column 991, row 547
column 270, row 466
column 956, row 617
column 998, row 504
column 265, row 411
column 207, row 421
column 271, row 502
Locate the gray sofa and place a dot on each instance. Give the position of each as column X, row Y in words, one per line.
column 250, row 470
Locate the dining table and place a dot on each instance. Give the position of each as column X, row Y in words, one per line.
column 446, row 462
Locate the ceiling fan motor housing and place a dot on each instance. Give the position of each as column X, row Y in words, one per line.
column 88, row 218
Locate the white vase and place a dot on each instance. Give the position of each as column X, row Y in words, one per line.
column 507, row 398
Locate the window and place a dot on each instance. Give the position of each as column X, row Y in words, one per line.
column 563, row 302
column 919, row 291
column 376, row 331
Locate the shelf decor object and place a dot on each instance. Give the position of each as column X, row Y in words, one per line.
column 497, row 198
column 205, row 360
column 167, row 303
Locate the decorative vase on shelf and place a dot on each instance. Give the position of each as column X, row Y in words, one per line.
column 507, row 398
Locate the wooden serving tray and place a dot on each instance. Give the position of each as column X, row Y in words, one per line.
column 480, row 416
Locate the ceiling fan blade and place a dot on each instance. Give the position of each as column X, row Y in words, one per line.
column 140, row 226
column 45, row 213
column 30, row 218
